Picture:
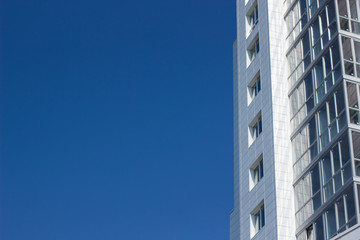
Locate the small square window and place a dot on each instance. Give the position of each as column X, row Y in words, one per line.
column 254, row 50
column 252, row 17
column 254, row 87
column 257, row 219
column 255, row 129
column 256, row 171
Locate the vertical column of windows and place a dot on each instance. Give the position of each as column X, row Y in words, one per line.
column 314, row 188
column 319, row 131
column 318, row 82
column 316, row 39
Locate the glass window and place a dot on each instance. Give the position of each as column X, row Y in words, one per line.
column 330, row 221
column 258, row 220
column 345, row 152
column 258, row 172
column 353, row 9
column 319, row 229
column 323, row 123
column 326, row 163
column 346, row 44
column 315, row 177
column 340, row 211
column 350, row 204
column 342, row 8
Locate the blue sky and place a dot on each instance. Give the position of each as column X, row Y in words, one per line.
column 116, row 119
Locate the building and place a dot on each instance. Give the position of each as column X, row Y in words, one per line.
column 296, row 120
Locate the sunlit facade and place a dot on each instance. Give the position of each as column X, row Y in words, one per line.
column 296, row 120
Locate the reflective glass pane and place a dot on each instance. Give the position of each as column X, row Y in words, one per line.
column 357, row 50
column 353, row 9
column 355, row 27
column 305, row 43
column 354, row 116
column 323, row 19
column 307, row 61
column 319, row 229
column 317, row 48
column 312, row 130
column 342, row 121
column 347, row 172
column 344, row 24
column 324, row 139
column 323, row 122
column 349, row 68
column 331, row 11
column 308, row 85
column 317, row 201
column 326, row 164
column 330, row 221
column 337, row 72
column 337, row 181
column 333, row 130
column 350, row 203
column 310, row 104
column 335, row 53
column 315, row 178
column 340, row 105
column 345, row 151
column 340, row 211
column 319, row 73
column 352, row 95
column 336, row 158
column 333, row 29
column 332, row 112
column 356, row 142
column 346, row 45
column 342, row 8
column 307, row 187
column 315, row 31
column 313, row 151
column 327, row 61
column 320, row 92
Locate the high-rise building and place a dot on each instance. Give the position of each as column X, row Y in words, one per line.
column 296, row 120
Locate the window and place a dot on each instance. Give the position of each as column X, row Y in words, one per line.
column 257, row 219
column 349, row 16
column 253, row 17
column 356, row 150
column 341, row 215
column 254, row 87
column 253, row 50
column 314, row 231
column 255, row 128
column 337, row 218
column 323, row 180
column 321, row 129
column 256, row 171
column 351, row 54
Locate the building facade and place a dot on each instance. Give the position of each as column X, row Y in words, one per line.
column 296, row 120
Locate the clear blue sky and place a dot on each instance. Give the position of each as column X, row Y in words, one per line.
column 116, row 119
